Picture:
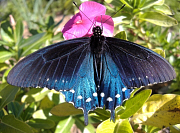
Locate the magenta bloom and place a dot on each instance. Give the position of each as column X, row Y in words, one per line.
column 81, row 26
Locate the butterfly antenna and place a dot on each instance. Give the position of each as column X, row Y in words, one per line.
column 82, row 12
column 116, row 12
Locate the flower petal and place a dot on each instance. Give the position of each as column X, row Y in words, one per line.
column 76, row 27
column 91, row 9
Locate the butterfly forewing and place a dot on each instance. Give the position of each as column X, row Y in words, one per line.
column 55, row 67
column 137, row 65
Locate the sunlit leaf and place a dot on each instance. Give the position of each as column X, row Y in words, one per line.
column 159, row 111
column 123, row 126
column 35, row 94
column 6, row 37
column 160, row 52
column 126, row 3
column 135, row 103
column 65, row 125
column 163, row 8
column 158, row 19
column 151, row 3
column 5, row 55
column 106, row 126
column 9, row 124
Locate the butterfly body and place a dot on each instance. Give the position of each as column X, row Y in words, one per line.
column 92, row 72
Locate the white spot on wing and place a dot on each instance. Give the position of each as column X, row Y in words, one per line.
column 79, row 97
column 124, row 89
column 117, row 96
column 63, row 80
column 146, row 76
column 47, row 79
column 95, row 94
column 88, row 100
column 109, row 99
column 72, row 91
column 56, row 80
column 102, row 94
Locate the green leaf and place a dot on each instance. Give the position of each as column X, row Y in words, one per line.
column 123, row 127
column 134, row 104
column 10, row 124
column 28, row 49
column 121, row 35
column 89, row 129
column 41, row 123
column 35, row 95
column 18, row 32
column 7, row 94
column 106, row 126
column 175, row 128
column 31, row 40
column 6, row 37
column 158, row 19
column 126, row 3
column 163, row 8
column 28, row 112
column 151, row 129
column 15, row 108
column 5, row 55
column 151, row 3
column 160, row 111
column 65, row 109
column 65, row 125
column 3, row 66
column 100, row 114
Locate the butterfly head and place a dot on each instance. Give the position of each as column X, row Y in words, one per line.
column 97, row 31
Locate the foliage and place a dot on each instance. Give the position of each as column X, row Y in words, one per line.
column 150, row 23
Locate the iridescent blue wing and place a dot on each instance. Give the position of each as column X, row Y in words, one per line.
column 112, row 92
column 83, row 94
column 137, row 65
column 54, row 67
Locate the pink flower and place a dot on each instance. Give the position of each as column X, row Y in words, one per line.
column 81, row 25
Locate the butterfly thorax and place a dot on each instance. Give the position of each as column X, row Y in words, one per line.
column 97, row 45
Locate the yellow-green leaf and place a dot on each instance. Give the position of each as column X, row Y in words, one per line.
column 158, row 19
column 159, row 111
column 106, row 126
column 135, row 103
column 35, row 95
column 163, row 8
column 123, row 126
column 121, row 35
column 160, row 52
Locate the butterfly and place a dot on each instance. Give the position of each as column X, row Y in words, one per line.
column 92, row 72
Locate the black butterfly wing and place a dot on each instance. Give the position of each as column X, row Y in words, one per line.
column 137, row 65
column 83, row 95
column 112, row 91
column 54, row 67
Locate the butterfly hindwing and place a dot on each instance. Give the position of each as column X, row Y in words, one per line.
column 54, row 67
column 137, row 65
column 112, row 91
column 83, row 94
